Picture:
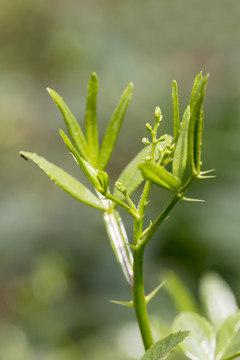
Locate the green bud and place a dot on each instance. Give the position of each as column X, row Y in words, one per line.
column 149, row 128
column 103, row 179
column 145, row 141
column 158, row 114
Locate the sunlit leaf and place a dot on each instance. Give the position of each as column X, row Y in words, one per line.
column 228, row 338
column 159, row 176
column 181, row 151
column 65, row 181
column 114, row 128
column 91, row 119
column 201, row 342
column 217, row 298
column 162, row 348
column 73, row 126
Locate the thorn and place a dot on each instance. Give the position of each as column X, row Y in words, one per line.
column 206, row 172
column 123, row 303
column 134, row 247
column 189, row 199
column 154, row 292
column 206, row 177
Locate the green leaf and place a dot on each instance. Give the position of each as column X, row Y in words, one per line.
column 91, row 119
column 118, row 239
column 88, row 169
column 180, row 294
column 176, row 120
column 73, row 127
column 194, row 93
column 217, row 297
column 114, row 128
column 159, row 176
column 162, row 348
column 181, row 151
column 196, row 123
column 65, row 181
column 201, row 342
column 131, row 176
column 228, row 338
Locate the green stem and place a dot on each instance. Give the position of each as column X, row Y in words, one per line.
column 164, row 214
column 139, row 301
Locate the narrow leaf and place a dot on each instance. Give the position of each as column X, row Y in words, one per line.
column 159, row 176
column 89, row 171
column 196, row 125
column 179, row 293
column 176, row 120
column 65, row 181
column 217, row 297
column 91, row 119
column 228, row 338
column 131, row 177
column 196, row 83
column 73, row 127
column 114, row 128
column 201, row 342
column 118, row 239
column 162, row 348
column 181, row 151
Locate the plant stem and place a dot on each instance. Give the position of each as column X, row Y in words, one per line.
column 139, row 301
column 164, row 214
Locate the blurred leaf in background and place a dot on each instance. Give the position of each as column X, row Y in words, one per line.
column 54, row 300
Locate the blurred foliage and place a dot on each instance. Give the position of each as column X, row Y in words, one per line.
column 57, row 271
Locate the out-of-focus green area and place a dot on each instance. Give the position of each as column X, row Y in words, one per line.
column 57, row 271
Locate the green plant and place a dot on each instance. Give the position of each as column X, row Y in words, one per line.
column 170, row 162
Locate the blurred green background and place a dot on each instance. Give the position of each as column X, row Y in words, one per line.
column 57, row 271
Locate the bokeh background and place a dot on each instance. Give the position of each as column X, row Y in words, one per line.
column 57, row 271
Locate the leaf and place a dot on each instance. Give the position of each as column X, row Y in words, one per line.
column 162, row 348
column 196, row 123
column 89, row 171
column 180, row 294
column 113, row 129
column 228, row 338
column 91, row 119
column 196, row 83
column 73, row 127
column 65, row 181
column 131, row 177
column 217, row 298
column 159, row 176
column 201, row 342
column 118, row 239
column 181, row 151
column 176, row 120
